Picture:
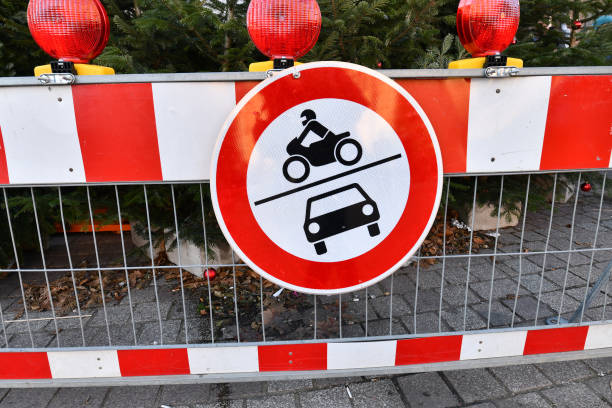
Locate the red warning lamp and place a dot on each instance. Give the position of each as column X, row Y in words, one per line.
column 72, row 31
column 284, row 30
column 486, row 28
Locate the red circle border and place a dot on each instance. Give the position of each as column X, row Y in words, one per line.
column 246, row 124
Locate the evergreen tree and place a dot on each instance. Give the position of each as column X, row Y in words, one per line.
column 561, row 33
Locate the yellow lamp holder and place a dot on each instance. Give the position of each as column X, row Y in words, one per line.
column 64, row 67
column 484, row 62
column 276, row 64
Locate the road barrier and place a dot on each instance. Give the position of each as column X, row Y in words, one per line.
column 534, row 292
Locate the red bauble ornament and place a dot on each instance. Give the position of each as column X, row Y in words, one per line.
column 210, row 273
column 284, row 28
column 69, row 30
column 577, row 24
column 586, row 187
column 379, row 65
column 487, row 27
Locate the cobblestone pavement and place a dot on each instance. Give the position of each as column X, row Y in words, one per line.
column 572, row 384
column 429, row 300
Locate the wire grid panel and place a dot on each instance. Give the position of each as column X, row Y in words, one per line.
column 535, row 250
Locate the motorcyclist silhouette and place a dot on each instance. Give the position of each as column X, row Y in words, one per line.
column 327, row 149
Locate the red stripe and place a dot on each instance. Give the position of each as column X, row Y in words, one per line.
column 446, row 103
column 22, row 366
column 293, row 357
column 555, row 340
column 4, row 176
column 153, row 362
column 579, row 125
column 243, row 87
column 428, row 350
column 117, row 132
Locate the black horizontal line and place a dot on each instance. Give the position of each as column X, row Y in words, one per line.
column 328, row 179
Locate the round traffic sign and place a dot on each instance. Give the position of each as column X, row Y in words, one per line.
column 326, row 177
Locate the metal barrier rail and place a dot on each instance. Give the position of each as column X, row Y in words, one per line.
column 528, row 275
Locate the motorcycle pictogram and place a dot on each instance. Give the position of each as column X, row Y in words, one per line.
column 330, row 148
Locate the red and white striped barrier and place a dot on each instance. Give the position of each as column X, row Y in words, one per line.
column 300, row 356
column 167, row 131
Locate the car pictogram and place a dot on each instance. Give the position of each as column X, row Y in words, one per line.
column 318, row 146
column 338, row 211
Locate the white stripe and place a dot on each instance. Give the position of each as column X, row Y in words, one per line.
column 361, row 355
column 599, row 336
column 506, row 129
column 209, row 360
column 84, row 364
column 491, row 345
column 610, row 151
column 189, row 117
column 40, row 135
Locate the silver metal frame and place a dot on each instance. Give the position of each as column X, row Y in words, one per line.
column 259, row 76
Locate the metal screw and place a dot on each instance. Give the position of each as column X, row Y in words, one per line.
column 498, row 90
column 492, row 159
column 59, row 99
column 296, row 75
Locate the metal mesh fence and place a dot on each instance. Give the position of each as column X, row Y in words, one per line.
column 535, row 252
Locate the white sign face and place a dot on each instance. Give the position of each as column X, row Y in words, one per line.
column 334, row 197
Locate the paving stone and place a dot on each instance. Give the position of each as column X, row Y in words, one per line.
column 532, row 284
column 78, row 397
column 297, row 385
column 600, row 365
column 131, row 397
column 170, row 331
column 239, row 390
column 336, row 397
column 41, row 339
column 454, row 318
column 328, row 382
column 114, row 315
column 429, row 279
column 22, row 326
column 602, row 385
column 553, row 299
column 3, row 392
column 275, row 401
column 221, row 404
column 146, row 312
column 521, row 378
column 428, row 300
column 402, row 283
column 381, row 328
column 502, row 288
column 454, row 295
column 597, row 300
column 574, row 396
column 25, row 398
column 400, row 306
column 376, row 394
column 526, row 307
column 185, row 394
column 531, row 400
column 427, row 390
column 475, row 385
column 198, row 330
column 573, row 279
column 71, row 338
column 500, row 315
column 355, row 330
column 564, row 371
column 425, row 323
column 120, row 335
